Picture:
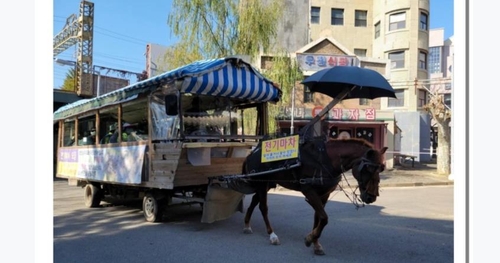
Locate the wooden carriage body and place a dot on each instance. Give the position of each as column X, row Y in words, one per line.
column 167, row 159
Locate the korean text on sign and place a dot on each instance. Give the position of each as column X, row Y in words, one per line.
column 280, row 149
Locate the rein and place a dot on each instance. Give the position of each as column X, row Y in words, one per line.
column 355, row 200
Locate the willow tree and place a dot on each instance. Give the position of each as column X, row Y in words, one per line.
column 220, row 28
column 283, row 70
column 213, row 29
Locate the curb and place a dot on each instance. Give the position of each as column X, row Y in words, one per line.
column 415, row 184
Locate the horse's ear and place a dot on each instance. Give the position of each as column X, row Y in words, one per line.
column 382, row 151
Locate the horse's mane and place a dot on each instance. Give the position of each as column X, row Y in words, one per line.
column 358, row 141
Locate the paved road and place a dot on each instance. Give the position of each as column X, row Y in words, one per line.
column 406, row 224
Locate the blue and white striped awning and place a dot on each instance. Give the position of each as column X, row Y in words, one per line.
column 224, row 77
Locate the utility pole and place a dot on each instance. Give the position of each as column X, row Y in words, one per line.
column 79, row 31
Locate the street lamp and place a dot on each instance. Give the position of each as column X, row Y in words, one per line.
column 73, row 63
column 64, row 62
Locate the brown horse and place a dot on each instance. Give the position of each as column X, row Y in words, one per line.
column 321, row 167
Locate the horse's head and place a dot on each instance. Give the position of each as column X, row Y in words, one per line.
column 367, row 171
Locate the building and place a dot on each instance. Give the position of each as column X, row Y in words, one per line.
column 390, row 36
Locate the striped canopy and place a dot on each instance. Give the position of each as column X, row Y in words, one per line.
column 224, row 77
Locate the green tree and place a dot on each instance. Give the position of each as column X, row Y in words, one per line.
column 69, row 83
column 284, row 70
column 220, row 28
column 213, row 29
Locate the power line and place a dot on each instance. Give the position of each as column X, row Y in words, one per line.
column 132, row 38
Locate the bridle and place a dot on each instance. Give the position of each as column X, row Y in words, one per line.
column 363, row 163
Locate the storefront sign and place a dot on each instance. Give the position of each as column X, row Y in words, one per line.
column 315, row 62
column 368, row 114
column 286, row 112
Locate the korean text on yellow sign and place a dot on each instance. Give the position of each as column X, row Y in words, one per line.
column 280, row 149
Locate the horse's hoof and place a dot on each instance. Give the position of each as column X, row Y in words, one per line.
column 274, row 239
column 247, row 230
column 319, row 251
column 307, row 241
column 275, row 242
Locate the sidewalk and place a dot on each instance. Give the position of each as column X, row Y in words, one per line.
column 423, row 174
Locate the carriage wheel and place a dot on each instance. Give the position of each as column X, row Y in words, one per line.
column 151, row 208
column 93, row 195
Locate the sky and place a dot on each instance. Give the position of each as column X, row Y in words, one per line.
column 123, row 28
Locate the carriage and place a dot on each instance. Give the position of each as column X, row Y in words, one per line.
column 200, row 134
column 161, row 139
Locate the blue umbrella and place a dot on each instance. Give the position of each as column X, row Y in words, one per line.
column 359, row 82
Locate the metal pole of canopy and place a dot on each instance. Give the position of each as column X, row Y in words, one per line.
column 328, row 107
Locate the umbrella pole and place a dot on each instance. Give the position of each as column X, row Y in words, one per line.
column 328, row 107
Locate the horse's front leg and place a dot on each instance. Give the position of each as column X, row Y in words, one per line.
column 255, row 201
column 273, row 238
column 320, row 221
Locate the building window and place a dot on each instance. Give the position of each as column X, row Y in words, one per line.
column 434, row 62
column 360, row 52
column 363, row 101
column 397, row 21
column 308, row 95
column 422, row 97
column 399, row 101
column 360, row 18
column 315, row 15
column 447, row 86
column 397, row 59
column 423, row 21
column 337, row 17
column 377, row 29
column 422, row 60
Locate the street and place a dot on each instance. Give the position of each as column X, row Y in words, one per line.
column 405, row 224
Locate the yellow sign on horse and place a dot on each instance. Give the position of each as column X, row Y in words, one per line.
column 280, row 149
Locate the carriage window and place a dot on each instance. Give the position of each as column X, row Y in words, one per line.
column 216, row 119
column 163, row 126
column 135, row 121
column 209, row 116
column 69, row 130
column 86, row 130
column 247, row 125
column 108, row 118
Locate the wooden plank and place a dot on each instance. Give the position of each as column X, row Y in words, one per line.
column 188, row 174
column 166, row 151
